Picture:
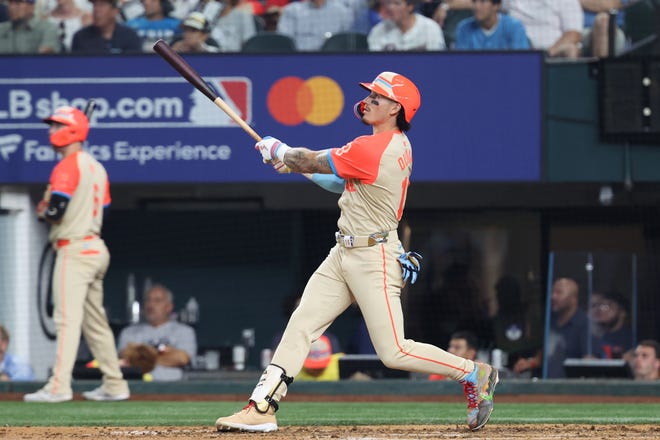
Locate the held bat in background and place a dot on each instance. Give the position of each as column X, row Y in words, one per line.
column 89, row 109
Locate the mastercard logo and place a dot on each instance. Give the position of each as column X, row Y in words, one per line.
column 317, row 101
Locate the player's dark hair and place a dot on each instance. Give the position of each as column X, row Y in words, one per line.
column 401, row 122
column 470, row 338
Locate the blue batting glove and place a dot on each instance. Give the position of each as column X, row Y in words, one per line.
column 410, row 264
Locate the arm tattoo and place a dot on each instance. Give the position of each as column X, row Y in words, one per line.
column 302, row 160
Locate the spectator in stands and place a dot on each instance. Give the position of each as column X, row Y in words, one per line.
column 488, row 29
column 405, row 30
column 595, row 38
column 611, row 331
column 195, row 37
column 310, row 22
column 322, row 362
column 176, row 342
column 233, row 27
column 271, row 14
column 271, row 17
column 26, row 33
column 569, row 329
column 69, row 19
column 105, row 35
column 462, row 343
column 555, row 27
column 155, row 23
column 646, row 361
column 12, row 368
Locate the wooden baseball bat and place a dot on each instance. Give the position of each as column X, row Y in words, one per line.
column 191, row 75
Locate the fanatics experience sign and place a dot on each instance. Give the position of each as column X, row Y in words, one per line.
column 480, row 118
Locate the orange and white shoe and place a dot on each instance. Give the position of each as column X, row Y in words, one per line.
column 249, row 419
column 479, row 387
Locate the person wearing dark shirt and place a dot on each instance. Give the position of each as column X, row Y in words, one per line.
column 611, row 332
column 105, row 35
column 569, row 330
column 26, row 32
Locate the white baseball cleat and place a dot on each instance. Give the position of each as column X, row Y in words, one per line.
column 99, row 395
column 47, row 397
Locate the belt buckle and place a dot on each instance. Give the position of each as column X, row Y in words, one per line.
column 378, row 237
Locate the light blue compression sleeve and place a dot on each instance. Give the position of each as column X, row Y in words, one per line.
column 329, row 182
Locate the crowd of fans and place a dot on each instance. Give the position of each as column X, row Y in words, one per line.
column 563, row 28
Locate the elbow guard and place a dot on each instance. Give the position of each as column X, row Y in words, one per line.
column 56, row 207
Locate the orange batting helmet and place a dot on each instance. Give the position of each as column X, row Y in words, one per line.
column 397, row 88
column 75, row 129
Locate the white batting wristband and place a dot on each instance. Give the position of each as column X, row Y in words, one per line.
column 280, row 150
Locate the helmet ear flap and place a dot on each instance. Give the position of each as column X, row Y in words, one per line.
column 62, row 137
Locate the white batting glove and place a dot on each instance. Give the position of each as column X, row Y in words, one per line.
column 272, row 148
column 281, row 167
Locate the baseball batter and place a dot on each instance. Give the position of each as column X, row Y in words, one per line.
column 366, row 263
column 73, row 205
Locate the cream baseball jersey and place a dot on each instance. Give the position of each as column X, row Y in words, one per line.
column 377, row 171
column 83, row 180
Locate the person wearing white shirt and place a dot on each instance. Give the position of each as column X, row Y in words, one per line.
column 552, row 25
column 405, row 30
column 311, row 22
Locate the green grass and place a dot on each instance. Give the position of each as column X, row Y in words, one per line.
column 158, row 413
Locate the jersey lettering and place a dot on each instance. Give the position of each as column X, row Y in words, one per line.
column 405, row 159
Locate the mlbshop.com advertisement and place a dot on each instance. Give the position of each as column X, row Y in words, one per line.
column 151, row 125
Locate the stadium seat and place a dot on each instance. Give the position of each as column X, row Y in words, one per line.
column 264, row 42
column 346, row 42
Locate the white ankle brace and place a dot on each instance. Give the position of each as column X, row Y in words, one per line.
column 272, row 386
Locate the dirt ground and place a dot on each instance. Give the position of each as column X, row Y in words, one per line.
column 394, row 432
column 380, row 432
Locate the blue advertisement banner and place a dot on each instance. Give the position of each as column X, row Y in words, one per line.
column 480, row 118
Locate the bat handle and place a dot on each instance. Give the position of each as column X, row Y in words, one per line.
column 232, row 114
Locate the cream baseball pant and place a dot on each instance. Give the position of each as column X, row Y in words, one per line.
column 372, row 277
column 78, row 275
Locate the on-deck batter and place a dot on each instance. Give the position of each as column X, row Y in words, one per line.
column 364, row 265
column 73, row 205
